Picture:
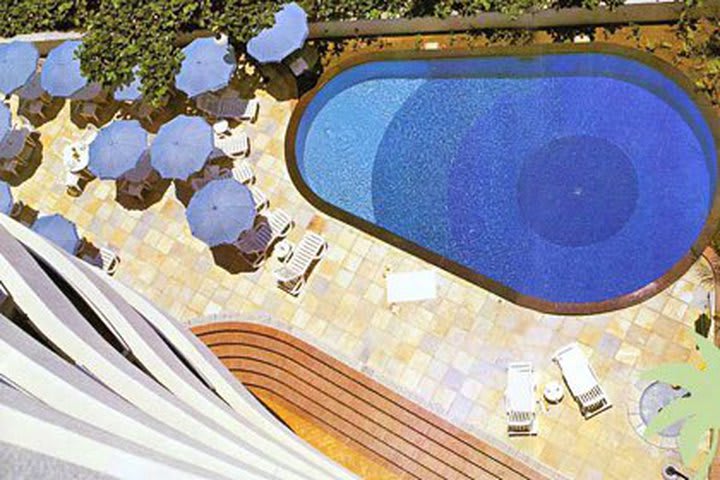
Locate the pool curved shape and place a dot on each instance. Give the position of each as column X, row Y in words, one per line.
column 570, row 181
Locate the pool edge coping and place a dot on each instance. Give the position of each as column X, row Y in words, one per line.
column 561, row 308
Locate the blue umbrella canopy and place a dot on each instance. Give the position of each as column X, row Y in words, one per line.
column 129, row 93
column 59, row 230
column 287, row 35
column 61, row 76
column 13, row 143
column 6, row 199
column 117, row 148
column 221, row 211
column 18, row 61
column 209, row 63
column 5, row 121
column 181, row 147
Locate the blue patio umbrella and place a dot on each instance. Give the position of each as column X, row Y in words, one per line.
column 6, row 199
column 287, row 35
column 18, row 61
column 59, row 230
column 129, row 93
column 209, row 63
column 221, row 211
column 181, row 147
column 117, row 148
column 5, row 121
column 61, row 76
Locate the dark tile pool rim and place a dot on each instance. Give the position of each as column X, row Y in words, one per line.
column 671, row 276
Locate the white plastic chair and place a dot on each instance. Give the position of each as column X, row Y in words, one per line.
column 110, row 261
column 260, row 199
column 291, row 277
column 243, row 172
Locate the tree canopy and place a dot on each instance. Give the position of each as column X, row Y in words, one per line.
column 128, row 37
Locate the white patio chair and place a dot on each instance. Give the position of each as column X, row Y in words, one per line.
column 260, row 199
column 581, row 380
column 72, row 184
column 243, row 172
column 291, row 277
column 240, row 108
column 235, row 145
column 110, row 261
column 36, row 108
column 88, row 134
column 257, row 243
column 520, row 399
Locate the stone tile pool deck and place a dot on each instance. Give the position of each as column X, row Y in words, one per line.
column 448, row 354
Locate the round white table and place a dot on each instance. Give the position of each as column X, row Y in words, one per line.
column 76, row 158
column 283, row 250
column 221, row 127
column 554, row 392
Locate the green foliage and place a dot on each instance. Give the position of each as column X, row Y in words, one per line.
column 29, row 16
column 699, row 410
column 124, row 37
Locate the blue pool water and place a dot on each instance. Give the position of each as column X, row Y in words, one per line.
column 569, row 177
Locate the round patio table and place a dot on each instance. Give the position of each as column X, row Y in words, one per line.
column 76, row 157
column 553, row 392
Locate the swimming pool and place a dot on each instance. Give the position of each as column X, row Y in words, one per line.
column 564, row 181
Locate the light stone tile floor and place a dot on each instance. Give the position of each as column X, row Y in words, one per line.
column 448, row 354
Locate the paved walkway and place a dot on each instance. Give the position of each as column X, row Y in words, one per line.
column 448, row 354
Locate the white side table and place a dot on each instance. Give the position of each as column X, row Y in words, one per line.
column 283, row 250
column 553, row 392
column 76, row 158
column 221, row 127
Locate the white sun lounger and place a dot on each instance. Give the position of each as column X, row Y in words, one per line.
column 260, row 199
column 243, row 172
column 291, row 276
column 520, row 399
column 411, row 286
column 256, row 244
column 110, row 261
column 581, row 380
column 235, row 145
column 241, row 108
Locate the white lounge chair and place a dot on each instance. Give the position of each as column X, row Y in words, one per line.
column 234, row 145
column 520, row 399
column 88, row 135
column 261, row 201
column 110, row 261
column 291, row 276
column 72, row 184
column 240, row 108
column 581, row 380
column 256, row 244
column 243, row 172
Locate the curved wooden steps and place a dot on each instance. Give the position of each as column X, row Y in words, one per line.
column 398, row 433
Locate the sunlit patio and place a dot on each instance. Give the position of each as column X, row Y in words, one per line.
column 449, row 354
